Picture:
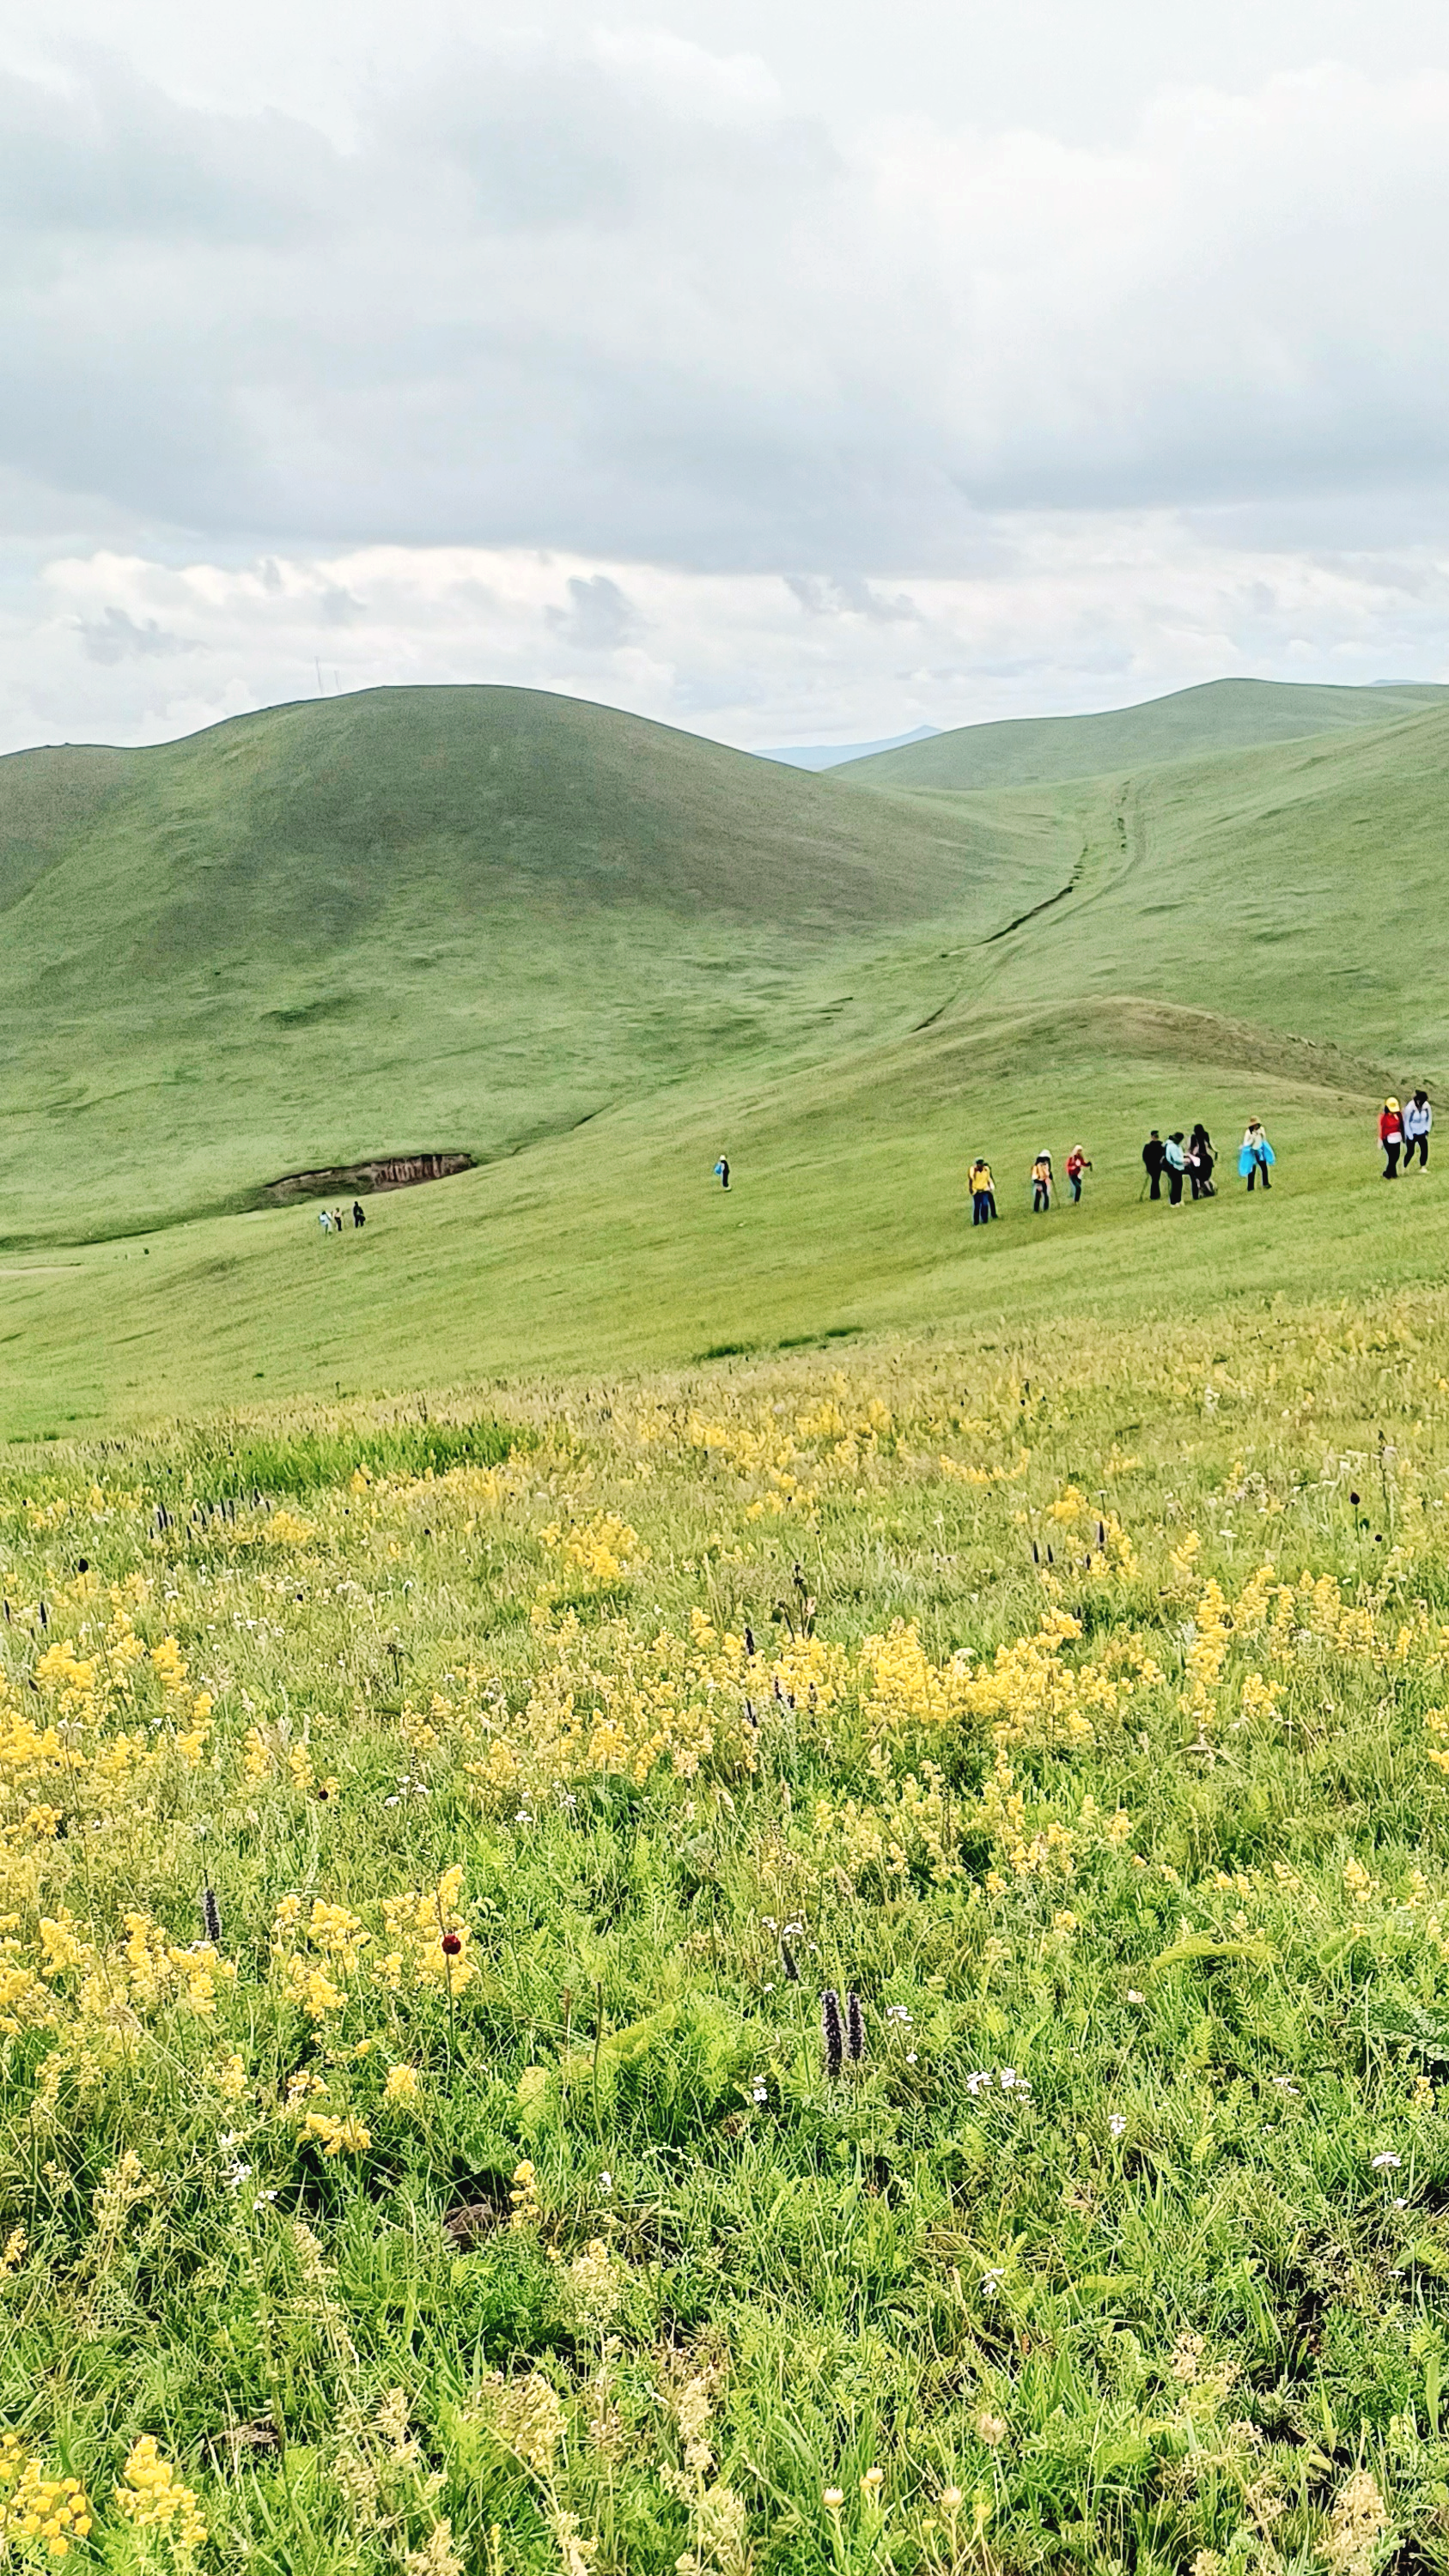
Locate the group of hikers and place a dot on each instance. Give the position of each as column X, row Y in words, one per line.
column 1180, row 1160
column 1185, row 1161
column 1043, row 1184
column 1405, row 1131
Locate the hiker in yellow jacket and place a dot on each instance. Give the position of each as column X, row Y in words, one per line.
column 983, row 1192
column 1041, row 1185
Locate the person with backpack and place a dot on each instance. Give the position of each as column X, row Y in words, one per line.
column 1417, row 1120
column 1255, row 1155
column 1391, row 1137
column 1041, row 1185
column 722, row 1171
column 1174, row 1161
column 1077, row 1164
column 1152, row 1160
column 983, row 1192
column 358, row 1218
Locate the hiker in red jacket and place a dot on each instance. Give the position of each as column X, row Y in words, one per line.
column 1391, row 1137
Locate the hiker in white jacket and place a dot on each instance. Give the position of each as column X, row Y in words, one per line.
column 1417, row 1119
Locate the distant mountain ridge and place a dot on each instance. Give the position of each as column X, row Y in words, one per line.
column 828, row 755
column 1218, row 715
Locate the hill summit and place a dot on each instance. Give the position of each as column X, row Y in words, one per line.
column 1219, row 715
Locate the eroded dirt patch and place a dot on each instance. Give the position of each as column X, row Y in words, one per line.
column 381, row 1172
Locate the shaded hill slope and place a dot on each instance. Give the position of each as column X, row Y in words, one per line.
column 421, row 918
column 1222, row 715
column 303, row 823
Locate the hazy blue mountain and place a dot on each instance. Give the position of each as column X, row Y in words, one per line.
column 828, row 755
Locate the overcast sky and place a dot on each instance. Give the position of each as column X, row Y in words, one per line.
column 791, row 372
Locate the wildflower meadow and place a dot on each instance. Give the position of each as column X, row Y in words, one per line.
column 834, row 1964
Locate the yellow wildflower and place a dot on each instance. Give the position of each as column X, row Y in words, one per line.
column 153, row 2498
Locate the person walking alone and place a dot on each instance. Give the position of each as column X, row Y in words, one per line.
column 1077, row 1164
column 722, row 1171
column 983, row 1192
column 1417, row 1121
column 1255, row 1155
column 1152, row 1160
column 1174, row 1159
column 1041, row 1185
column 1391, row 1137
column 358, row 1218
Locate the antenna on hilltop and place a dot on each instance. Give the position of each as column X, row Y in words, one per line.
column 321, row 692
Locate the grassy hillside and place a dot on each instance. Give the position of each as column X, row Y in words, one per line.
column 612, row 1247
column 1261, row 932
column 812, row 1968
column 446, row 1821
column 1222, row 715
column 419, row 918
column 478, row 919
column 1297, row 888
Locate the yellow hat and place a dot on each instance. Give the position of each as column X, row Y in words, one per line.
column 1391, row 1104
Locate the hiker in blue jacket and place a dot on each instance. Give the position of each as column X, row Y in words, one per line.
column 1256, row 1156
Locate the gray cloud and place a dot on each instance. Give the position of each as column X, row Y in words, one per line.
column 105, row 154
column 824, row 596
column 116, row 636
column 599, row 617
column 608, row 295
column 540, row 358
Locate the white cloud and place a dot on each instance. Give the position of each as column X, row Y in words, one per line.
column 1075, row 611
column 591, row 356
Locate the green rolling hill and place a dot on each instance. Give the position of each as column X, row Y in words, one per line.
column 590, row 952
column 1221, row 715
column 1297, row 888
column 422, row 918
